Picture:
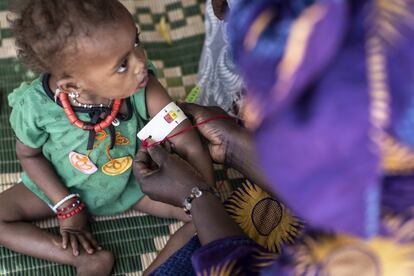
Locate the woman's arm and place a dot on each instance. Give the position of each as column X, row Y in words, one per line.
column 228, row 142
column 168, row 178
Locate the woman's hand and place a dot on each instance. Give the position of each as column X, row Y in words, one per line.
column 165, row 176
column 75, row 232
column 228, row 142
column 225, row 137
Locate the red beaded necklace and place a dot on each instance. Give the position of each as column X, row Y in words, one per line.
column 74, row 120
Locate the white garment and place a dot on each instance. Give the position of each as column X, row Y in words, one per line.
column 218, row 79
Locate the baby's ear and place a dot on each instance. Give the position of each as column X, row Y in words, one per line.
column 69, row 84
column 220, row 8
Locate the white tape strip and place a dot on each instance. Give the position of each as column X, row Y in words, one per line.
column 163, row 123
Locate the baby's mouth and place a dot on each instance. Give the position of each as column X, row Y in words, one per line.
column 143, row 83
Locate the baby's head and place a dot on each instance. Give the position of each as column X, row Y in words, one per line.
column 90, row 46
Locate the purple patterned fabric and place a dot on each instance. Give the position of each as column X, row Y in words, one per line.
column 228, row 255
column 318, row 137
column 314, row 136
column 314, row 143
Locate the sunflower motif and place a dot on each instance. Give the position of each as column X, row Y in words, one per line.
column 262, row 218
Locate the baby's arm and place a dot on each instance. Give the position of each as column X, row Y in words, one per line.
column 188, row 144
column 41, row 172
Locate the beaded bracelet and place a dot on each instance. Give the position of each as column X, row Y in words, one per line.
column 63, row 200
column 73, row 204
column 75, row 211
column 196, row 193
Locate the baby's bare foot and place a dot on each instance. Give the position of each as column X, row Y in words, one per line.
column 98, row 263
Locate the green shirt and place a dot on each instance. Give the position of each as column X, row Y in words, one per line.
column 39, row 122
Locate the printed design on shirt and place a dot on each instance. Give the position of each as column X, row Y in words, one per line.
column 115, row 166
column 82, row 163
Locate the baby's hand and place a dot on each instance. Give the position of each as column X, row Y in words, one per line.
column 75, row 230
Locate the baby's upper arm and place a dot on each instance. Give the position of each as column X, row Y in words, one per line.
column 188, row 144
column 156, row 99
column 156, row 96
column 23, row 151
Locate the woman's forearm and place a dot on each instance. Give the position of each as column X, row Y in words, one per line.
column 189, row 146
column 241, row 155
column 211, row 220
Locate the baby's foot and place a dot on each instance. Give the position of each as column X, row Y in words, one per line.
column 98, row 263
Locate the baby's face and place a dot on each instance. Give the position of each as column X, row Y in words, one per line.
column 110, row 63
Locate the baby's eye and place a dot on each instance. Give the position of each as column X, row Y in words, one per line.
column 137, row 41
column 123, row 67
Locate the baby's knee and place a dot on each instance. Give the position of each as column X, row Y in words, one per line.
column 9, row 213
column 8, row 216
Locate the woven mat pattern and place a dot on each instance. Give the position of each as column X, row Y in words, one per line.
column 135, row 238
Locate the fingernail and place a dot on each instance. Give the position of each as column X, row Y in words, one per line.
column 76, row 253
column 99, row 248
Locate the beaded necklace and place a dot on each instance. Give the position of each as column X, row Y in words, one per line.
column 74, row 120
column 75, row 101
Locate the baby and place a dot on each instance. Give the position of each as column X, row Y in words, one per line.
column 76, row 128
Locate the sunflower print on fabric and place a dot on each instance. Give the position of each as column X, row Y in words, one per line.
column 262, row 218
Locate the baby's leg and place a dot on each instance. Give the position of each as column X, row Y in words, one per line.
column 160, row 209
column 18, row 208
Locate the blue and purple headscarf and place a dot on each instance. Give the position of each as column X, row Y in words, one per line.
column 331, row 89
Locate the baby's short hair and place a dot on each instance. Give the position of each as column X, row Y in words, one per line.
column 46, row 29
